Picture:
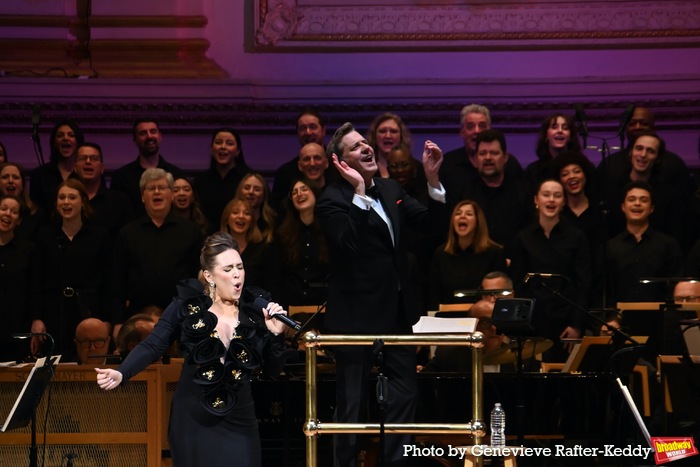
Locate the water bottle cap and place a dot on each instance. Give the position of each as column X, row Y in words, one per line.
column 498, row 404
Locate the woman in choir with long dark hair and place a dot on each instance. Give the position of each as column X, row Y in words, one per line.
column 66, row 138
column 467, row 256
column 302, row 248
column 217, row 185
column 557, row 134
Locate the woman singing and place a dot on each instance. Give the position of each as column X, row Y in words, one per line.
column 223, row 337
column 75, row 259
column 468, row 255
column 301, row 245
column 16, row 277
column 553, row 246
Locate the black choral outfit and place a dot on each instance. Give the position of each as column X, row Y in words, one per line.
column 149, row 260
column 112, row 210
column 16, row 278
column 655, row 255
column 565, row 253
column 212, row 420
column 306, row 282
column 32, row 224
column 214, row 192
column 462, row 271
column 74, row 277
column 457, row 170
column 43, row 184
column 507, row 207
column 126, row 179
column 256, row 257
column 672, row 189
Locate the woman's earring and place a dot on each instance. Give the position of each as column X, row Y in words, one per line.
column 212, row 288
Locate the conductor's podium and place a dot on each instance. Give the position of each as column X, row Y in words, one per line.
column 124, row 427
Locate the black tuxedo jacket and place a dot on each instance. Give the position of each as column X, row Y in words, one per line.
column 369, row 273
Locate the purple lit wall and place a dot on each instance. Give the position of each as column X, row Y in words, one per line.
column 274, row 57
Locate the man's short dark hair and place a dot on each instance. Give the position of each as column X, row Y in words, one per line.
column 336, row 144
column 489, row 136
column 90, row 144
column 642, row 185
column 313, row 113
column 500, row 275
column 143, row 120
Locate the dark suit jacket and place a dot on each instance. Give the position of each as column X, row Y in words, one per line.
column 369, row 273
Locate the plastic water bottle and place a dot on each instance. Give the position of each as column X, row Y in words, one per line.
column 498, row 426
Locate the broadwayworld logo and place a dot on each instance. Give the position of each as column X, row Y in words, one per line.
column 671, row 449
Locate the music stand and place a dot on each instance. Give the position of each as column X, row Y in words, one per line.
column 512, row 316
column 24, row 410
column 635, row 412
column 594, row 354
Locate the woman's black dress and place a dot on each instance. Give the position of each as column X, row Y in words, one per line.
column 212, row 420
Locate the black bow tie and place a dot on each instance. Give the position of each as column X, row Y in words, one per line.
column 373, row 191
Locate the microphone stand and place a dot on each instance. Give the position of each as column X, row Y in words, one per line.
column 618, row 336
column 33, row 452
column 604, row 205
column 36, row 121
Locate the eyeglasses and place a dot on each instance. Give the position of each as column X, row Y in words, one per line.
column 497, row 293
column 152, row 188
column 298, row 191
column 97, row 344
column 90, row 157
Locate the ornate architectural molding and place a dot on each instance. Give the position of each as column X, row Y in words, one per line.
column 256, row 118
column 283, row 24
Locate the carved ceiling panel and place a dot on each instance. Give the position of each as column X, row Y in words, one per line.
column 288, row 24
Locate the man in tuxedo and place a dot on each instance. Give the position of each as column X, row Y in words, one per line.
column 365, row 220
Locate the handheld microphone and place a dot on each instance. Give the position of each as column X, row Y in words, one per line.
column 583, row 125
column 262, row 303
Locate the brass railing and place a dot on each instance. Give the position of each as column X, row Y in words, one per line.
column 314, row 427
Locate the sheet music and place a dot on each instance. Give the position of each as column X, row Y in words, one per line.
column 433, row 325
